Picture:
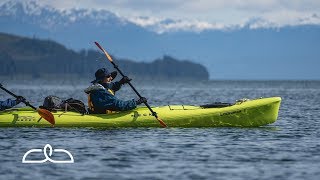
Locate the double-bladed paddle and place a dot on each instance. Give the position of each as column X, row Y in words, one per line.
column 45, row 114
column 134, row 89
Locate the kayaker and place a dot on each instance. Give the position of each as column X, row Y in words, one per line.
column 9, row 103
column 101, row 94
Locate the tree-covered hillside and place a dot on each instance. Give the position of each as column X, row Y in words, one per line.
column 31, row 57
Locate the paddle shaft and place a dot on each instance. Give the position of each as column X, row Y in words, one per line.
column 11, row 93
column 134, row 89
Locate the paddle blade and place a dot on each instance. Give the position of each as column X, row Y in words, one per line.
column 97, row 44
column 162, row 123
column 47, row 115
column 104, row 51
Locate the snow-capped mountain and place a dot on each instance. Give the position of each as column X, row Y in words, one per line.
column 226, row 50
column 52, row 19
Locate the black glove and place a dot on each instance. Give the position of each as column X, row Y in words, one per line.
column 141, row 100
column 20, row 99
column 125, row 80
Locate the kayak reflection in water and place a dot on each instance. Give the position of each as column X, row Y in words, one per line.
column 101, row 94
column 9, row 103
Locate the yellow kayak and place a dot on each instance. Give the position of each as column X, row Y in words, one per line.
column 249, row 113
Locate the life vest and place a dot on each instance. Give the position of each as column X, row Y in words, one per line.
column 91, row 107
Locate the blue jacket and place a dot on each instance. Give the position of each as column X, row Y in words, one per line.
column 9, row 103
column 102, row 98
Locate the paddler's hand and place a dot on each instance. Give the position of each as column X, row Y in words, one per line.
column 125, row 80
column 141, row 100
column 20, row 99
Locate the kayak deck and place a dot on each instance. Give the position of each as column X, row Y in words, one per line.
column 251, row 113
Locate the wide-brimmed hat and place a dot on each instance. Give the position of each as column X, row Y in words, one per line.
column 102, row 73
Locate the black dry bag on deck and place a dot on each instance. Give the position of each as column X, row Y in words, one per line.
column 74, row 105
column 52, row 103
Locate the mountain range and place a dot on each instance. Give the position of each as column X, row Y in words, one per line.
column 246, row 52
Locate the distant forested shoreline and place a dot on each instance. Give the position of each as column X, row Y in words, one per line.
column 31, row 58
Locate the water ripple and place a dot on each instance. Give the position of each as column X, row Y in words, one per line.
column 287, row 149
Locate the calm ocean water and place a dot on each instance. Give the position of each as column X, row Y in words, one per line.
column 287, row 149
